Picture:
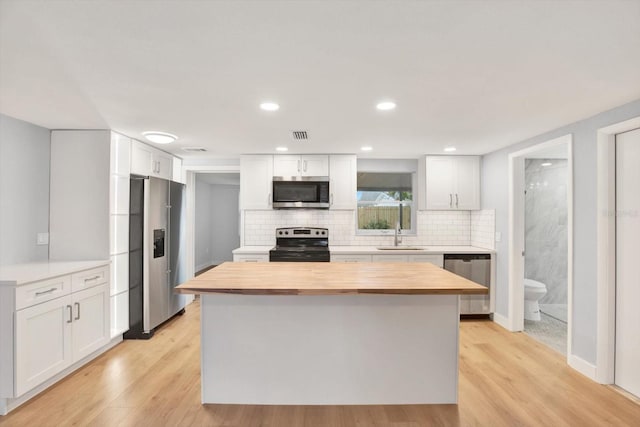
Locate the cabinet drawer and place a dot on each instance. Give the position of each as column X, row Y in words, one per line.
column 251, row 258
column 437, row 260
column 389, row 258
column 351, row 258
column 89, row 278
column 44, row 290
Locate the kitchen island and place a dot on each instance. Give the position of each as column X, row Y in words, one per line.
column 329, row 333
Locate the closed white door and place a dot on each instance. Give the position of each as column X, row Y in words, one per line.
column 440, row 182
column 317, row 165
column 287, row 165
column 627, row 363
column 256, row 173
column 91, row 327
column 467, row 189
column 43, row 342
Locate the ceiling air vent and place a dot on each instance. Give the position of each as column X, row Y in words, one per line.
column 300, row 135
column 194, row 149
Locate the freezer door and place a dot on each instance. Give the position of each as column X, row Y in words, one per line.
column 156, row 298
column 177, row 246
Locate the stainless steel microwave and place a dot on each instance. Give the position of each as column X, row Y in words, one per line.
column 301, row 192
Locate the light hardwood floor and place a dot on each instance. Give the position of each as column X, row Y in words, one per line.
column 505, row 380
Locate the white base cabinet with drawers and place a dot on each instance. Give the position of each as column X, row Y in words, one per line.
column 50, row 325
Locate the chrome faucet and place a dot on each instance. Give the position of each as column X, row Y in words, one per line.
column 397, row 238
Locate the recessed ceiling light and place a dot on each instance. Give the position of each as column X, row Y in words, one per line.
column 450, row 149
column 282, row 149
column 159, row 137
column 269, row 106
column 546, row 164
column 366, row 148
column 386, row 105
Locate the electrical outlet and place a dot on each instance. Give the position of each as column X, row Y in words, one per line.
column 42, row 239
column 498, row 236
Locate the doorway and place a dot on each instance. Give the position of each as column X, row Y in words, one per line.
column 627, row 335
column 540, row 242
column 217, row 219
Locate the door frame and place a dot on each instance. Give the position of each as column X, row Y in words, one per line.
column 189, row 177
column 606, row 249
column 515, row 319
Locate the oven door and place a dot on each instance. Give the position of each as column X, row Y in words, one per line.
column 301, row 192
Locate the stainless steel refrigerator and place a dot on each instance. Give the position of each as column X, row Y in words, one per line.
column 156, row 253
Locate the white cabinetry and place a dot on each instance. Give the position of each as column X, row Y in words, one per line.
column 295, row 165
column 250, row 257
column 256, row 177
column 149, row 161
column 436, row 260
column 89, row 209
column 48, row 325
column 350, row 258
column 452, row 182
column 343, row 181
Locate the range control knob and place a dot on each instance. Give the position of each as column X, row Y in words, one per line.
column 317, row 232
column 286, row 232
column 280, row 233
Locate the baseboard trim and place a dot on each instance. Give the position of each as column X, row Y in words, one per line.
column 501, row 320
column 582, row 366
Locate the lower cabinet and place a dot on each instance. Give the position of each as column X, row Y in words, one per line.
column 436, row 260
column 251, row 258
column 53, row 335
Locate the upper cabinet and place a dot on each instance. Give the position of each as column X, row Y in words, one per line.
column 296, row 165
column 256, row 176
column 148, row 161
column 452, row 182
column 343, row 177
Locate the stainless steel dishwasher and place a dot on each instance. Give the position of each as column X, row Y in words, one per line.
column 477, row 268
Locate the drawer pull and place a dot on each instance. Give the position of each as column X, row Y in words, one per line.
column 45, row 292
column 91, row 279
column 70, row 314
column 77, row 304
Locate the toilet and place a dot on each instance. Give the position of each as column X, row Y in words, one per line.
column 533, row 291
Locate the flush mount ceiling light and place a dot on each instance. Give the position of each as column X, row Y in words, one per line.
column 546, row 164
column 282, row 149
column 386, row 105
column 159, row 137
column 269, row 106
column 450, row 149
column 366, row 148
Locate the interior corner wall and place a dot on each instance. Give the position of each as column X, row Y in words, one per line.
column 495, row 194
column 25, row 151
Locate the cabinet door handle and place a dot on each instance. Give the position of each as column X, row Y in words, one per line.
column 77, row 304
column 304, row 165
column 158, row 166
column 45, row 292
column 70, row 314
column 269, row 199
column 331, row 201
column 298, row 166
column 450, row 200
column 456, row 200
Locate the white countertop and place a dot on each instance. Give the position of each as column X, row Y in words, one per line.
column 20, row 274
column 367, row 250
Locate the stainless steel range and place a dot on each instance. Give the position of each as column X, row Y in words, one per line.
column 301, row 244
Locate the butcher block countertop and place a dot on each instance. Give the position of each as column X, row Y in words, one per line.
column 328, row 278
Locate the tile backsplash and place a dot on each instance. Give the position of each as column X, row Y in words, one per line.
column 433, row 227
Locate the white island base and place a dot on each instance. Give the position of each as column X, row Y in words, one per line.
column 329, row 349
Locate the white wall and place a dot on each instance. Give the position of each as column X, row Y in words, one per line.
column 495, row 195
column 203, row 251
column 217, row 223
column 226, row 218
column 24, row 190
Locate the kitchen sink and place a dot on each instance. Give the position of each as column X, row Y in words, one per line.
column 400, row 248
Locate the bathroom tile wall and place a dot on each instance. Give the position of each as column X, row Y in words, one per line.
column 546, row 227
column 483, row 228
column 433, row 227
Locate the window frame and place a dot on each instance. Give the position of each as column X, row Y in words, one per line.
column 413, row 203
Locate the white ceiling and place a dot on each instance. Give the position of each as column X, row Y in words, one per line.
column 479, row 75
